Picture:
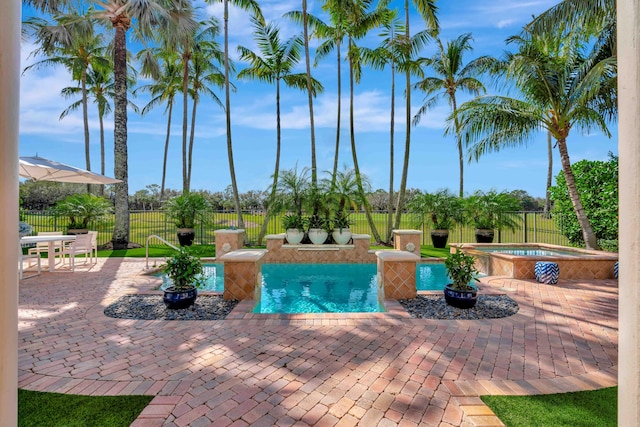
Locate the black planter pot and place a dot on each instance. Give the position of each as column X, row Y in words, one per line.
column 484, row 235
column 439, row 238
column 460, row 299
column 179, row 299
column 186, row 236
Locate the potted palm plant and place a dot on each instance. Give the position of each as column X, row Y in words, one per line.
column 462, row 271
column 489, row 211
column 185, row 271
column 317, row 229
column 294, row 228
column 81, row 209
column 186, row 211
column 341, row 233
column 442, row 209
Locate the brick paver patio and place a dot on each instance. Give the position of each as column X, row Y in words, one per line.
column 383, row 369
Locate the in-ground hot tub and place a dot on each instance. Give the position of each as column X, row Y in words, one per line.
column 519, row 260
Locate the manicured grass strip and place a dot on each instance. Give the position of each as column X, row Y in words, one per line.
column 584, row 408
column 36, row 409
column 205, row 251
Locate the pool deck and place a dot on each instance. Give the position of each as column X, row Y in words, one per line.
column 378, row 369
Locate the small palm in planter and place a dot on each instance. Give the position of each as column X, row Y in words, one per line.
column 81, row 209
column 186, row 211
column 341, row 233
column 294, row 228
column 317, row 229
column 462, row 271
column 185, row 271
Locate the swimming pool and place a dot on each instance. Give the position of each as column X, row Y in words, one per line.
column 322, row 288
column 520, row 251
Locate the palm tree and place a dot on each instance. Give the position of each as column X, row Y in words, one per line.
column 272, row 64
column 164, row 89
column 360, row 21
column 427, row 10
column 293, row 188
column 452, row 75
column 560, row 90
column 74, row 44
column 204, row 72
column 254, row 7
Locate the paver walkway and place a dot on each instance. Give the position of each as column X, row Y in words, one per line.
column 325, row 370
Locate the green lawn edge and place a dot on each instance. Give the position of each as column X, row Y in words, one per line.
column 577, row 409
column 37, row 409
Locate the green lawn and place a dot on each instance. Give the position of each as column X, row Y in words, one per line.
column 37, row 409
column 581, row 409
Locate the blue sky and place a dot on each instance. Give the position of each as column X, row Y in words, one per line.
column 433, row 164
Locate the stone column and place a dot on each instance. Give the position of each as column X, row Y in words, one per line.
column 407, row 240
column 228, row 241
column 10, row 19
column 629, row 229
column 397, row 274
column 242, row 273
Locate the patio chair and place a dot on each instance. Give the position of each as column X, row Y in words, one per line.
column 94, row 245
column 44, row 246
column 81, row 245
column 22, row 257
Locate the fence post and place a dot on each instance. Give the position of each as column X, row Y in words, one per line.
column 524, row 226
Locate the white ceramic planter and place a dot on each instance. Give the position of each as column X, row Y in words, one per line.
column 317, row 235
column 341, row 237
column 294, row 236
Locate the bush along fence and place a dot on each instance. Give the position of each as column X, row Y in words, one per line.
column 533, row 227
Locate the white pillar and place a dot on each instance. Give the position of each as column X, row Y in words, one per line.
column 10, row 18
column 629, row 231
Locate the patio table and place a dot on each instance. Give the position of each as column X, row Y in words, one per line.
column 50, row 240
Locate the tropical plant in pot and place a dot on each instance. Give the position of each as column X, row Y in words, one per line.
column 442, row 209
column 490, row 211
column 186, row 211
column 462, row 271
column 317, row 229
column 185, row 272
column 340, row 224
column 82, row 209
column 294, row 228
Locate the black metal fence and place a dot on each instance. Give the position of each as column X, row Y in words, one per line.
column 533, row 227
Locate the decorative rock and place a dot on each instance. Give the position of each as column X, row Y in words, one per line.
column 547, row 272
column 435, row 307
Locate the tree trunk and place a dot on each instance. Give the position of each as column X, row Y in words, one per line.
column 356, row 168
column 391, row 154
column 335, row 158
column 456, row 123
column 547, row 199
column 185, row 119
column 166, row 150
column 85, row 119
column 191, row 139
column 272, row 195
column 590, row 240
column 120, row 238
column 232, row 171
column 102, row 161
column 407, row 142
column 305, row 25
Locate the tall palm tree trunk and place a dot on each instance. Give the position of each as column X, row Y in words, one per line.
column 120, row 238
column 335, row 158
column 102, row 161
column 274, row 185
column 391, row 153
column 191, row 139
column 588, row 235
column 185, row 120
column 407, row 142
column 456, row 123
column 85, row 119
column 547, row 198
column 166, row 150
column 356, row 168
column 232, row 171
column 305, row 25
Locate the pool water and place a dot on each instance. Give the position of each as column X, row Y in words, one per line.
column 529, row 251
column 319, row 288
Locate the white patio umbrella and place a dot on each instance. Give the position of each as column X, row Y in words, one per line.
column 41, row 169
